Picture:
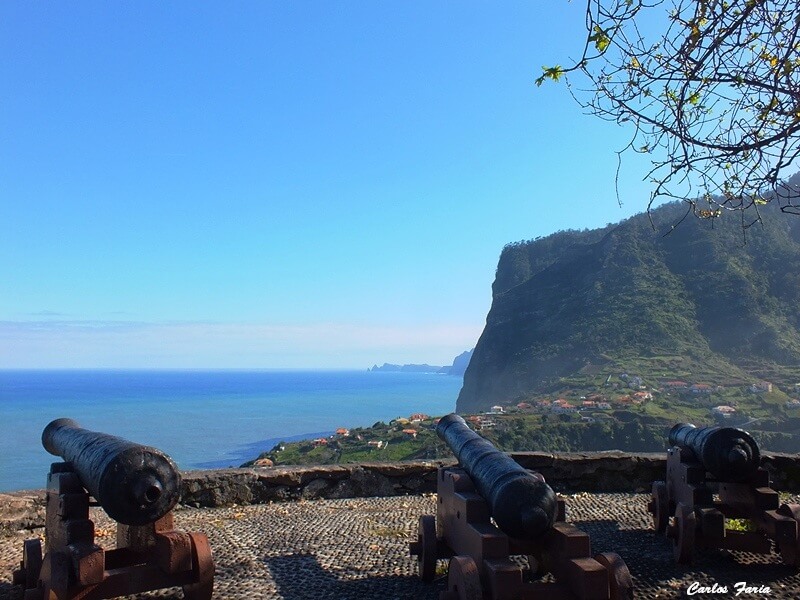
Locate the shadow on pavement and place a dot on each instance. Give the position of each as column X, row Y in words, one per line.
column 12, row 592
column 301, row 577
column 650, row 560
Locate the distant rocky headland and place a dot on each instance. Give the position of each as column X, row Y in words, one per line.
column 458, row 367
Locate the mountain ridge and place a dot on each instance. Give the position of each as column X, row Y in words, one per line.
column 578, row 299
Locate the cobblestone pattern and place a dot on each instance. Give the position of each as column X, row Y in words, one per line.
column 358, row 549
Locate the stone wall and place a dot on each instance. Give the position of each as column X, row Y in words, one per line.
column 573, row 472
column 590, row 471
column 225, row 487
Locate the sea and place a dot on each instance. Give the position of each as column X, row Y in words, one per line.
column 204, row 419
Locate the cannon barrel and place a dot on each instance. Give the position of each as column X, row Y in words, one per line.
column 728, row 453
column 134, row 484
column 522, row 505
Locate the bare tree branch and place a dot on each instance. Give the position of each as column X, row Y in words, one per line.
column 713, row 96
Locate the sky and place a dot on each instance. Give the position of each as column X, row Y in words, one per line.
column 304, row 184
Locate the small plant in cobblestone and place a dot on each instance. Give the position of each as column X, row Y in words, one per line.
column 740, row 525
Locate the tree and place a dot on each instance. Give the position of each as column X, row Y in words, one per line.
column 713, row 98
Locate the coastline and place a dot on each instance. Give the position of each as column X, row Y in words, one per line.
column 201, row 419
column 251, row 451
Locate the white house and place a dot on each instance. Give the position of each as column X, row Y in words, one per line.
column 723, row 411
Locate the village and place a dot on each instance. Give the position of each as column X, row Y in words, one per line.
column 622, row 398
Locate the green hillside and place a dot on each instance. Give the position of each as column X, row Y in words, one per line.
column 703, row 302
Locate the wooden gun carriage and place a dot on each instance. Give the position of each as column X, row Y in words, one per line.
column 714, row 474
column 137, row 486
column 491, row 509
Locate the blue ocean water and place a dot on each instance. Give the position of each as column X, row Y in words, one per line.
column 202, row 419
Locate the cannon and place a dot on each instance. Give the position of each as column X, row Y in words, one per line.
column 137, row 486
column 522, row 504
column 726, row 452
column 714, row 474
column 134, row 484
column 490, row 508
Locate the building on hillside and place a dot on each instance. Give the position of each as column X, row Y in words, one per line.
column 761, row 387
column 418, row 417
column 635, row 382
column 524, row 406
column 496, row 410
column 701, row 389
column 375, row 444
column 411, row 432
column 604, row 405
column 343, row 432
column 320, row 442
column 723, row 411
column 675, row 386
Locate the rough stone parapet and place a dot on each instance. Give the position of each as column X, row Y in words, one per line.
column 258, row 485
column 567, row 472
column 610, row 471
column 21, row 510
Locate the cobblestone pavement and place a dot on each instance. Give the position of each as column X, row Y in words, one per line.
column 358, row 548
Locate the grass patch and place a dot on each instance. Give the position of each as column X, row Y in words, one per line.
column 389, row 532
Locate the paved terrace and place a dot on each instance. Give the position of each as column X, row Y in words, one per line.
column 354, row 548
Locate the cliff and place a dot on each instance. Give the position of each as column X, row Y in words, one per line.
column 706, row 299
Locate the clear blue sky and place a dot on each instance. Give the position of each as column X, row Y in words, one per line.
column 281, row 184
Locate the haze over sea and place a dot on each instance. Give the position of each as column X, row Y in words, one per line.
column 202, row 418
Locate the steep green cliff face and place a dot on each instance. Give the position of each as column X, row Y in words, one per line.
column 578, row 300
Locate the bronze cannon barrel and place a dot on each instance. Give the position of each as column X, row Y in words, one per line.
column 522, row 505
column 134, row 484
column 728, row 453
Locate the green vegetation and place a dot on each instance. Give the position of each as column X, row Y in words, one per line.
column 696, row 305
column 561, row 427
column 379, row 443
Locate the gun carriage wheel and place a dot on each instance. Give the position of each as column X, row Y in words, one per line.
column 463, row 580
column 426, row 547
column 790, row 551
column 202, row 569
column 620, row 580
column 682, row 533
column 536, row 566
column 659, row 506
column 30, row 567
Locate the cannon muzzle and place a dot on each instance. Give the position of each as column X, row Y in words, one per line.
column 728, row 453
column 134, row 484
column 522, row 504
